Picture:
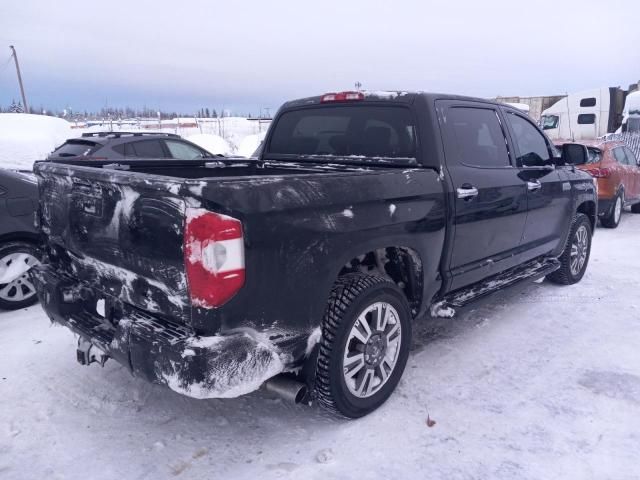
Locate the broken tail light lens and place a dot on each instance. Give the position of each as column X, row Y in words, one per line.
column 213, row 256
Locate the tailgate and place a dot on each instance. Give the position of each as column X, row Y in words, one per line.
column 118, row 232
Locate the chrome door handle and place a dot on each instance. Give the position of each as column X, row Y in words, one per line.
column 467, row 192
column 533, row 186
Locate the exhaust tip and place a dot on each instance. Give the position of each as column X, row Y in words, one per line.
column 301, row 395
column 287, row 388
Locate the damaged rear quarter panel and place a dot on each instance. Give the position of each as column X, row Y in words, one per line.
column 301, row 230
column 123, row 232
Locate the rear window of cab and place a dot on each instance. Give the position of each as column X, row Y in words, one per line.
column 345, row 131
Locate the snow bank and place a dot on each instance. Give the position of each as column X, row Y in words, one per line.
column 212, row 143
column 250, row 144
column 25, row 138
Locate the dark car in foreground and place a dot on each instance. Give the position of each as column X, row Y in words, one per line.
column 304, row 268
column 19, row 239
column 122, row 145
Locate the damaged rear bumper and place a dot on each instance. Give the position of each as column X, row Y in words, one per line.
column 218, row 366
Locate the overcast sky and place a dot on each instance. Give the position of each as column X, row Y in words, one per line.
column 244, row 55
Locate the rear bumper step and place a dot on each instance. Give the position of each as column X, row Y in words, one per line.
column 533, row 269
column 218, row 366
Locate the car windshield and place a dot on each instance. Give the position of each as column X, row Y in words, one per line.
column 345, row 131
column 74, row 148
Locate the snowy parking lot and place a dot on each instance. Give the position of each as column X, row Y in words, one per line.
column 536, row 382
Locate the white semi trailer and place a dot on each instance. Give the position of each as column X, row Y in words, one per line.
column 592, row 113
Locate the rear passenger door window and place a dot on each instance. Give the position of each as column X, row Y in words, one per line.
column 619, row 155
column 479, row 136
column 631, row 157
column 533, row 149
column 141, row 149
column 148, row 149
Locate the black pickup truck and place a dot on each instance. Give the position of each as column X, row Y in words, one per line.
column 305, row 266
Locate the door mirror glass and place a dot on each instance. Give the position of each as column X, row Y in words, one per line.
column 574, row 154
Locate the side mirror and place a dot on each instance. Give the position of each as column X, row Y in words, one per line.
column 574, row 154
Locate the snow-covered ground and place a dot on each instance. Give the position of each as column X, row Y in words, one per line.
column 536, row 382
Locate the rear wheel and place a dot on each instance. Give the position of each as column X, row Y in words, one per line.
column 366, row 335
column 612, row 218
column 16, row 289
column 575, row 258
column 635, row 208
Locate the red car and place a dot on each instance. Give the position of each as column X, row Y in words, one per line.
column 618, row 173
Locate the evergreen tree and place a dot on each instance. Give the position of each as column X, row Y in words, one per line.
column 16, row 108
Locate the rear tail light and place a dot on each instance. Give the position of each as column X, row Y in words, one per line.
column 341, row 97
column 214, row 257
column 599, row 172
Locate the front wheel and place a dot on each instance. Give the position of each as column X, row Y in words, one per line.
column 366, row 335
column 575, row 257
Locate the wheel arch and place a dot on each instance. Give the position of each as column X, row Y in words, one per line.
column 401, row 264
column 28, row 237
column 588, row 207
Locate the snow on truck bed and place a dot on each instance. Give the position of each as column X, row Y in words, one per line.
column 537, row 382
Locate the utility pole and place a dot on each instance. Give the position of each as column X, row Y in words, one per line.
column 24, row 98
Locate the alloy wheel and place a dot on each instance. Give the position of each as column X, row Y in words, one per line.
column 579, row 250
column 618, row 209
column 16, row 285
column 372, row 349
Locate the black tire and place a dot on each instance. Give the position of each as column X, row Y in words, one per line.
column 635, row 208
column 612, row 219
column 352, row 295
column 565, row 275
column 10, row 299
